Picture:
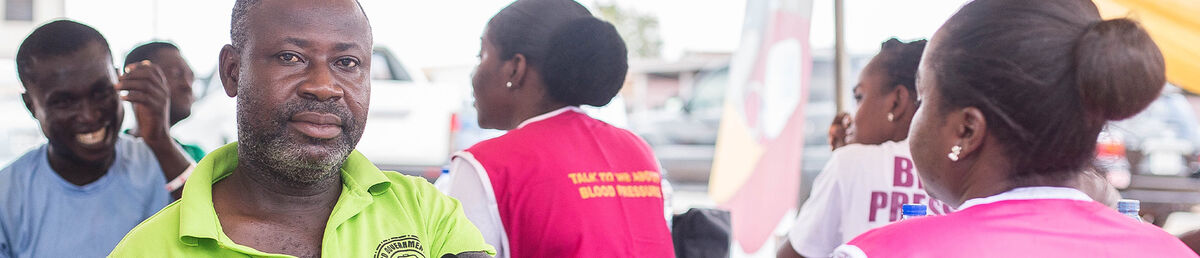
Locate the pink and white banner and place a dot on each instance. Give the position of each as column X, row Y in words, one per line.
column 756, row 168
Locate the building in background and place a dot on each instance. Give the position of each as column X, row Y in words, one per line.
column 19, row 18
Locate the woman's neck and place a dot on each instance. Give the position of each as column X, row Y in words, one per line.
column 992, row 176
column 527, row 112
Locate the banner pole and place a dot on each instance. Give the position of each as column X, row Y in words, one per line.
column 841, row 64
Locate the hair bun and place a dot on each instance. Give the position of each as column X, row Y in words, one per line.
column 586, row 62
column 1119, row 69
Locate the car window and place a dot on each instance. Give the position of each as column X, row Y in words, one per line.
column 380, row 70
column 385, row 67
column 710, row 91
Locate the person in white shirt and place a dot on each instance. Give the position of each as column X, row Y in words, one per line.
column 865, row 182
column 1015, row 93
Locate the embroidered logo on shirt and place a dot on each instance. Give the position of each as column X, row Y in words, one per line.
column 406, row 246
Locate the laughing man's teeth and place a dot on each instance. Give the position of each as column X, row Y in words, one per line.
column 92, row 137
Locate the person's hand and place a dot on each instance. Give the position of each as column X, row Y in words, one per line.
column 146, row 88
column 838, row 135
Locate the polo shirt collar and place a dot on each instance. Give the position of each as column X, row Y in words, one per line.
column 550, row 114
column 1029, row 193
column 198, row 219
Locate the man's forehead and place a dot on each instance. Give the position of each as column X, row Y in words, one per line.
column 168, row 57
column 167, row 54
column 310, row 22
column 75, row 70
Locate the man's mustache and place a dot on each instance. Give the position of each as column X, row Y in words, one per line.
column 291, row 108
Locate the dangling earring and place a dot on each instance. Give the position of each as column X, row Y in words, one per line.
column 508, row 85
column 954, row 152
column 891, row 117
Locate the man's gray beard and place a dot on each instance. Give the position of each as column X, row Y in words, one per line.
column 264, row 144
column 282, row 158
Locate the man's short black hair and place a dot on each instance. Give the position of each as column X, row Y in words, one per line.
column 237, row 28
column 57, row 38
column 147, row 51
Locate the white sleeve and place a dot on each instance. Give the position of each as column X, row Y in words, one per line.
column 469, row 184
column 817, row 230
column 848, row 251
column 668, row 192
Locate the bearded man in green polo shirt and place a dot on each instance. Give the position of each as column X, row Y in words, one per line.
column 292, row 185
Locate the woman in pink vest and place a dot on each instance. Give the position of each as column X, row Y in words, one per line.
column 1014, row 94
column 559, row 183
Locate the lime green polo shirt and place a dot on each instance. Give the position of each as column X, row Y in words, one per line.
column 379, row 214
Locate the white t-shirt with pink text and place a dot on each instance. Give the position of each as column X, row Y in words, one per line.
column 861, row 188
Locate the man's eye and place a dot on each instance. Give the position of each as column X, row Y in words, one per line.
column 347, row 62
column 59, row 103
column 289, row 58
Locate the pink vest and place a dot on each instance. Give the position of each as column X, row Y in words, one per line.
column 573, row 186
column 1023, row 228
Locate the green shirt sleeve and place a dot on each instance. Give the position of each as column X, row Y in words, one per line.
column 193, row 151
column 452, row 232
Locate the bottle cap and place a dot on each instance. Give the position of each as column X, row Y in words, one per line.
column 913, row 209
column 1128, row 205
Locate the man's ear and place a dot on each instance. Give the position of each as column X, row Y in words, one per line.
column 971, row 131
column 29, row 103
column 515, row 69
column 229, row 69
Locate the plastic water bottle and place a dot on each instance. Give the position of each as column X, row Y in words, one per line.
column 1130, row 208
column 443, row 181
column 912, row 211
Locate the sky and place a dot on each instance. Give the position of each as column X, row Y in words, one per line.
column 446, row 33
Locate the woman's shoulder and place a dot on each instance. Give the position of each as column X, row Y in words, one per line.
column 862, row 154
column 1002, row 227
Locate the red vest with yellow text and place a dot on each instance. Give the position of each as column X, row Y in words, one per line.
column 573, row 186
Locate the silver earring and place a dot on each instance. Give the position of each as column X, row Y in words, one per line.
column 509, row 85
column 954, row 152
column 891, row 117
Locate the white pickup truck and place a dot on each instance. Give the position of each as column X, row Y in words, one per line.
column 409, row 126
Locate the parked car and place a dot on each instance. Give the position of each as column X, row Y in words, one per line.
column 409, row 125
column 683, row 135
column 1153, row 156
